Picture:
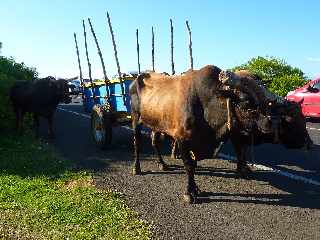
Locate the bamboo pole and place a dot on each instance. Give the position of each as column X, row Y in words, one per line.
column 88, row 60
column 79, row 63
column 152, row 51
column 172, row 62
column 116, row 56
column 106, row 79
column 138, row 51
column 190, row 45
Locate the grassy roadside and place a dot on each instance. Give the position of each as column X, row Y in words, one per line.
column 41, row 199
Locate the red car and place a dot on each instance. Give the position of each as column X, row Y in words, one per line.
column 309, row 98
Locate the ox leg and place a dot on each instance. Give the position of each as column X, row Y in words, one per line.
column 50, row 123
column 175, row 150
column 155, row 136
column 242, row 168
column 36, row 124
column 190, row 196
column 136, row 144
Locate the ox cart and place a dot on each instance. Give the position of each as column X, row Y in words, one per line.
column 108, row 100
column 109, row 105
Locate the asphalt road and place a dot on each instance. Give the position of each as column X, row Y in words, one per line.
column 268, row 206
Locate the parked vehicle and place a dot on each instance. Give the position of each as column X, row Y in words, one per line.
column 309, row 98
column 74, row 86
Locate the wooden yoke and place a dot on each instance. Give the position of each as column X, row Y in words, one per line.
column 106, row 80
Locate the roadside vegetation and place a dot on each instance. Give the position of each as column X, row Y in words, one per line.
column 278, row 76
column 42, row 196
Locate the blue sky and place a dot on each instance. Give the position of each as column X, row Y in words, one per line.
column 225, row 33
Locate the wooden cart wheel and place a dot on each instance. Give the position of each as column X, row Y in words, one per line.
column 101, row 126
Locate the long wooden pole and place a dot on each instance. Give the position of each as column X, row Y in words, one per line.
column 172, row 62
column 106, row 79
column 138, row 51
column 174, row 147
column 88, row 60
column 190, row 45
column 152, row 51
column 79, row 63
column 116, row 56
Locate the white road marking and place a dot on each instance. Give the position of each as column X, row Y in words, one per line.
column 312, row 128
column 229, row 157
column 75, row 113
column 280, row 172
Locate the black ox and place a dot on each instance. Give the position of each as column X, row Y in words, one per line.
column 40, row 98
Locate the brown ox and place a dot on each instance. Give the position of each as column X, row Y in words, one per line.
column 192, row 109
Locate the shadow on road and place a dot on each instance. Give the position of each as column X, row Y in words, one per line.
column 293, row 200
column 297, row 194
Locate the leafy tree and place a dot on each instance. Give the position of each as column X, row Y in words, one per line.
column 10, row 71
column 276, row 74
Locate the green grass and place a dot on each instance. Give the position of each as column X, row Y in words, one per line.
column 41, row 198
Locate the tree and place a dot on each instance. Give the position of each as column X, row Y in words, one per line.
column 276, row 74
column 0, row 46
column 10, row 71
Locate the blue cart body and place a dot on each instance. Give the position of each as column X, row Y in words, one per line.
column 119, row 103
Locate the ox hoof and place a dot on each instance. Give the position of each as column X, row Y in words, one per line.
column 188, row 198
column 175, row 155
column 136, row 171
column 163, row 167
column 244, row 171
